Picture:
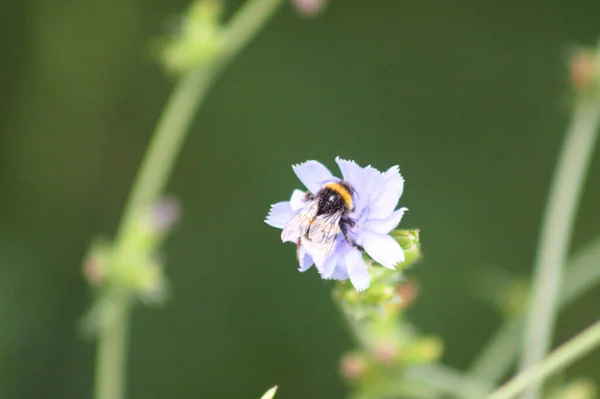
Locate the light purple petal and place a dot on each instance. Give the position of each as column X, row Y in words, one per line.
column 330, row 264
column 372, row 183
column 351, row 172
column 384, row 226
column 339, row 273
column 384, row 203
column 382, row 248
column 357, row 269
column 355, row 175
column 304, row 259
column 312, row 174
column 297, row 200
column 279, row 215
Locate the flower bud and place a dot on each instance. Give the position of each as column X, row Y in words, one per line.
column 386, row 353
column 309, row 8
column 353, row 366
column 199, row 37
column 407, row 291
column 409, row 240
column 164, row 215
column 95, row 265
column 583, row 69
column 581, row 388
column 134, row 266
column 406, row 238
column 423, row 350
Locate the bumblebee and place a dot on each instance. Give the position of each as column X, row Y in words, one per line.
column 319, row 223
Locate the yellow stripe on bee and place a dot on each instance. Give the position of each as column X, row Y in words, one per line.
column 343, row 192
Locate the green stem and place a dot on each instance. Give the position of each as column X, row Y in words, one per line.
column 166, row 143
column 154, row 172
column 178, row 113
column 556, row 231
column 448, row 381
column 443, row 379
column 500, row 352
column 110, row 367
column 572, row 350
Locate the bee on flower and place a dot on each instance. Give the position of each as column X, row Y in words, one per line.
column 336, row 220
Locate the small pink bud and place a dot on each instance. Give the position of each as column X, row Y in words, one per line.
column 352, row 366
column 408, row 292
column 582, row 69
column 309, row 8
column 94, row 270
column 386, row 353
column 164, row 215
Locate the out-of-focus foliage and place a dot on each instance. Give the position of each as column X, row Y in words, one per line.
column 469, row 99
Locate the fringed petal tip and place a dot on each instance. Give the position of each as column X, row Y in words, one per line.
column 279, row 214
column 311, row 174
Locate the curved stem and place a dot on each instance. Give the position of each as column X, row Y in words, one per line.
column 500, row 352
column 572, row 350
column 152, row 177
column 556, row 231
column 448, row 381
column 178, row 113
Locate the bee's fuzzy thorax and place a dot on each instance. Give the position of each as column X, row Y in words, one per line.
column 344, row 191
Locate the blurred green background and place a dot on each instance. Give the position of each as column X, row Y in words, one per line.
column 469, row 98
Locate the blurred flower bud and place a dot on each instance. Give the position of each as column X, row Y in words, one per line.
column 95, row 265
column 309, row 8
column 148, row 228
column 135, row 267
column 423, row 350
column 407, row 291
column 164, row 215
column 583, row 69
column 270, row 394
column 409, row 240
column 386, row 353
column 515, row 298
column 353, row 366
column 581, row 388
column 377, row 294
column 198, row 39
column 406, row 238
column 148, row 281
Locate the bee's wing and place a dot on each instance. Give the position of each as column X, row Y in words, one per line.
column 321, row 236
column 299, row 224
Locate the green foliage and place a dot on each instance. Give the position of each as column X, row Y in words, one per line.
column 389, row 344
column 198, row 38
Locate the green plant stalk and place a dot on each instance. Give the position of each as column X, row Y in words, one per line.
column 502, row 349
column 173, row 126
column 557, row 226
column 442, row 378
column 448, row 381
column 114, row 327
column 154, row 172
column 566, row 354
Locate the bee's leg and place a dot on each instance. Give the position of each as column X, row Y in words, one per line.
column 346, row 223
column 308, row 196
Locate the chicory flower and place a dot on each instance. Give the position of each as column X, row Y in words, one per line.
column 369, row 221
